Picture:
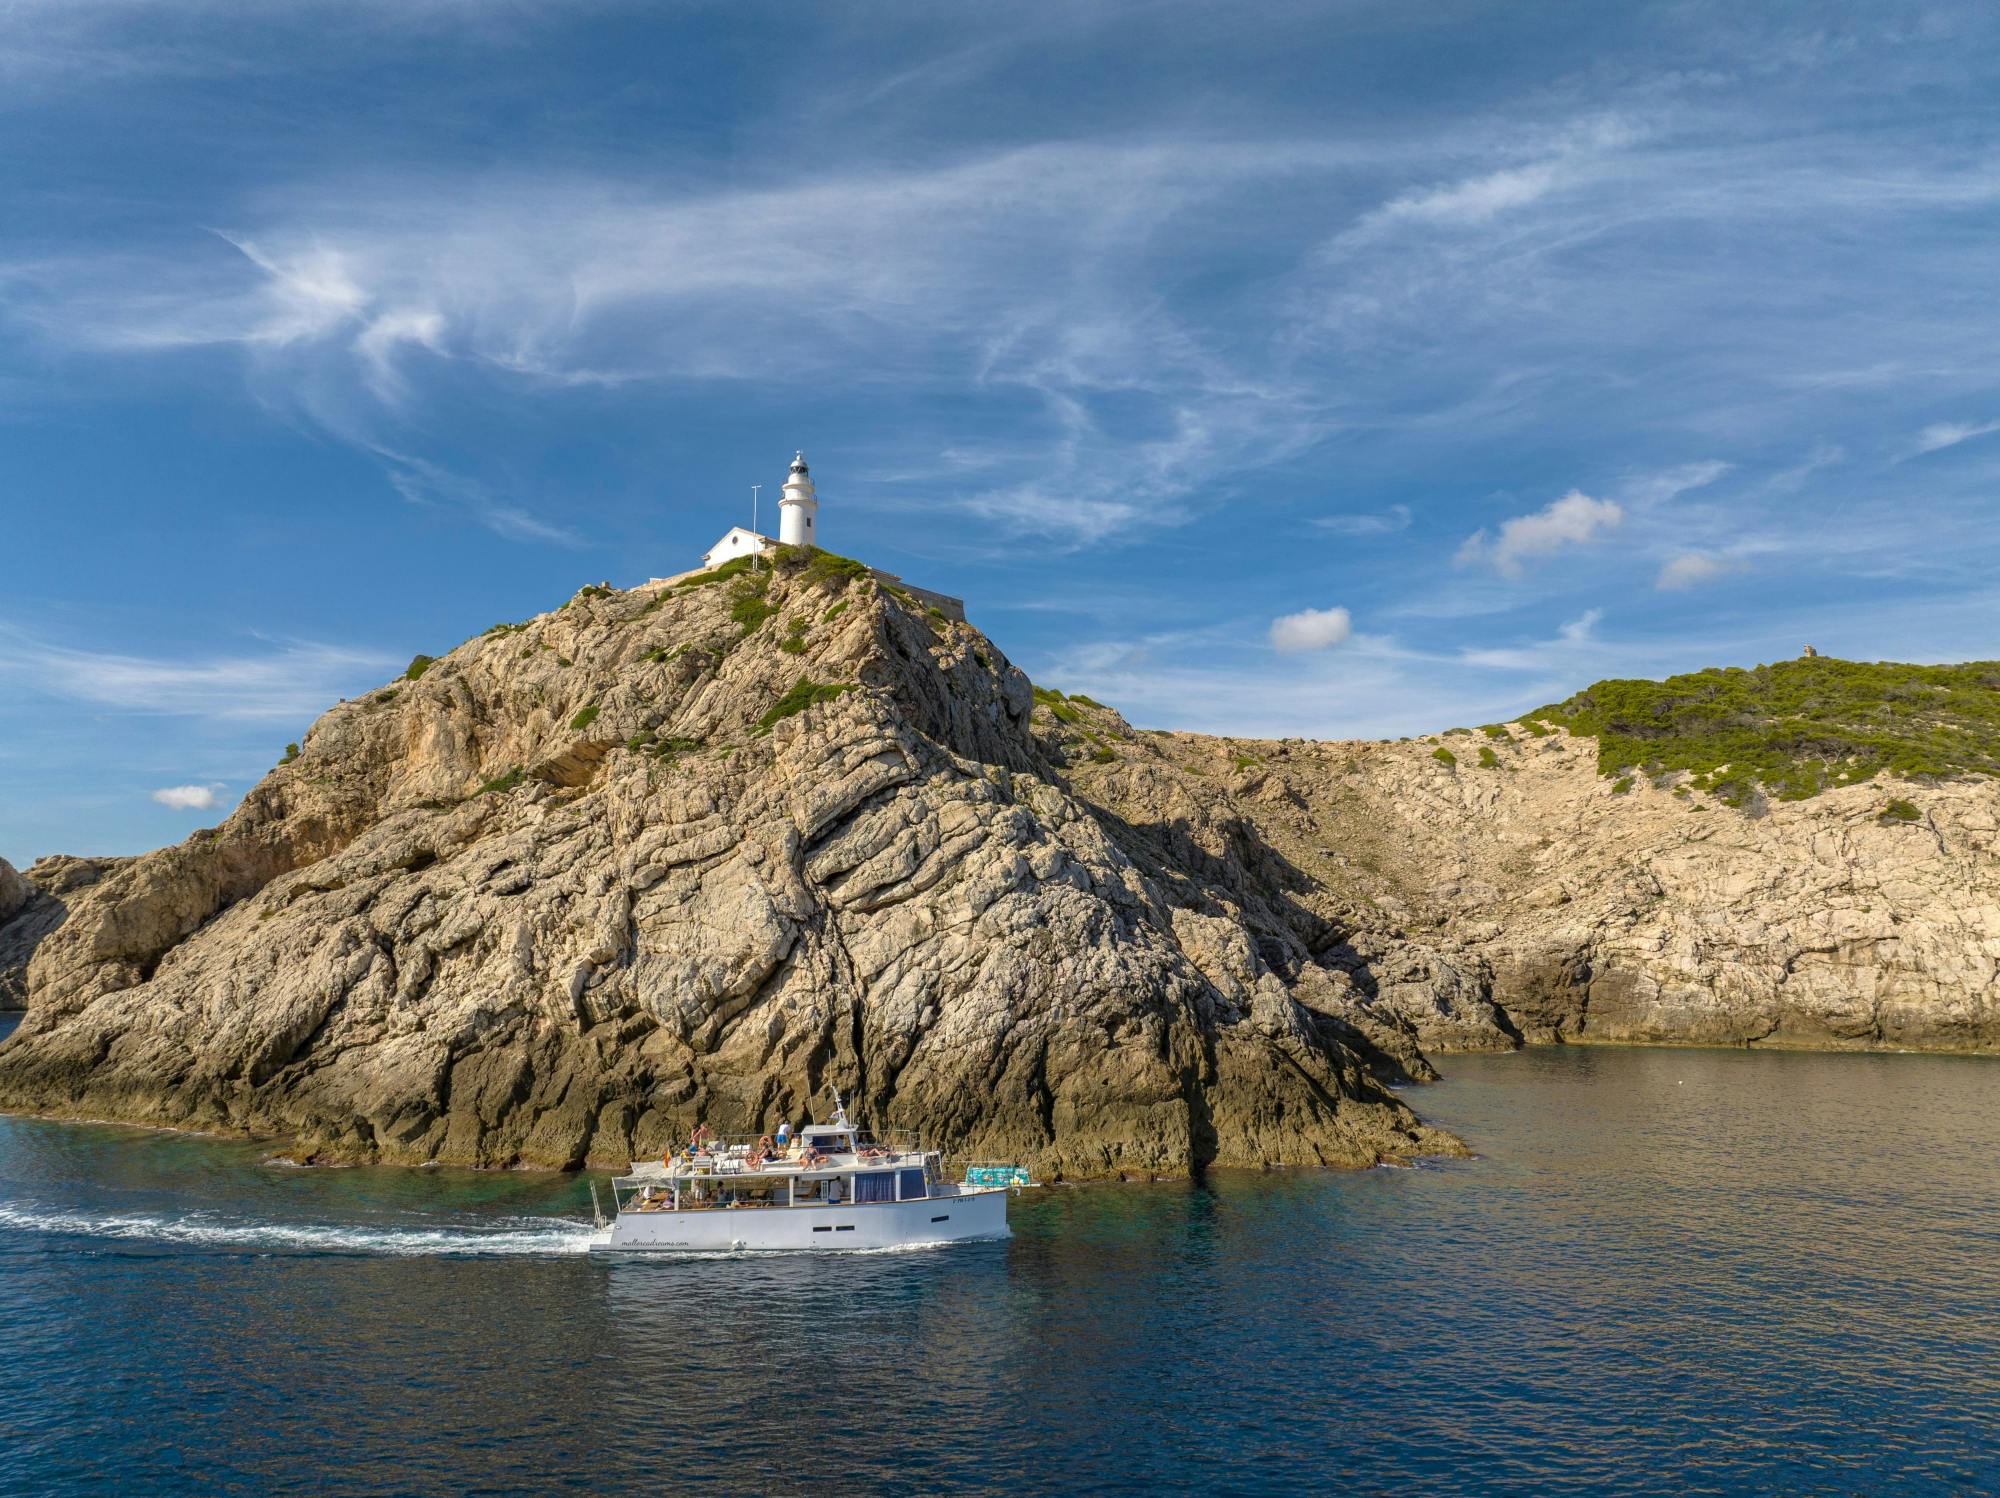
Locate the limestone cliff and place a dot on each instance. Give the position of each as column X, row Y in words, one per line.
column 33, row 905
column 701, row 851
column 1493, row 888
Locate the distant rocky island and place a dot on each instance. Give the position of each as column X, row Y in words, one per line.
column 702, row 849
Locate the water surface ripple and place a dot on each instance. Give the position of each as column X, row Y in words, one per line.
column 1668, row 1272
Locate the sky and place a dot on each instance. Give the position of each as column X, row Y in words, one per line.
column 1334, row 369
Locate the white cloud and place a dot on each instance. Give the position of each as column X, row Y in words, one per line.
column 1310, row 629
column 1670, row 483
column 1476, row 200
column 1574, row 520
column 1945, row 434
column 1582, row 628
column 291, row 681
column 186, row 797
column 379, row 343
column 1387, row 522
column 1690, row 569
column 423, row 482
column 1018, row 273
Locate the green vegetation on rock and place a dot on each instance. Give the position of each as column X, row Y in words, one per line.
column 734, row 567
column 501, row 784
column 815, row 566
column 1792, row 729
column 1488, row 760
column 1444, row 756
column 291, row 753
column 752, row 605
column 805, row 693
column 418, row 666
column 584, row 718
column 1899, row 810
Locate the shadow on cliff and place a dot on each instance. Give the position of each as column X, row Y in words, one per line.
column 1253, row 885
column 52, row 882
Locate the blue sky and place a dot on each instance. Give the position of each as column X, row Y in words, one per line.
column 1331, row 369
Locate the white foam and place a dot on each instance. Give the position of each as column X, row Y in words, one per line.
column 519, row 1235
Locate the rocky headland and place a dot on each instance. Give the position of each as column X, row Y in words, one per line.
column 701, row 850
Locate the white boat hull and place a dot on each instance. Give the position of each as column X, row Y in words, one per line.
column 978, row 1212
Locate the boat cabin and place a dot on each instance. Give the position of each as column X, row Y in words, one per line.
column 827, row 1165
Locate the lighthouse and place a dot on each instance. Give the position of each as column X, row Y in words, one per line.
column 798, row 525
column 797, row 506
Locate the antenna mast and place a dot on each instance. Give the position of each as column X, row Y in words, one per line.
column 757, row 545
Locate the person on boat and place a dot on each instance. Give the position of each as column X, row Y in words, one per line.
column 699, row 1139
column 784, row 1135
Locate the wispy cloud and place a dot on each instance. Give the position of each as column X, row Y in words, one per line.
column 288, row 681
column 1574, row 520
column 565, row 282
column 429, row 484
column 1690, row 569
column 1382, row 523
column 1669, row 484
column 1945, row 434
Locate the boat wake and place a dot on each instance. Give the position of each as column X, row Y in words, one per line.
column 220, row 1233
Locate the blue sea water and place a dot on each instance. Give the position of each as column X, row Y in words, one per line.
column 1666, row 1272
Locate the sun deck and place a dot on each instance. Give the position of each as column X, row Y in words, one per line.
column 828, row 1166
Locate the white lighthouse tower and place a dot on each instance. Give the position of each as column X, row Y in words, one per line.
column 797, row 507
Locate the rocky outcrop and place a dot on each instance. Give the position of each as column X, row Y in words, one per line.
column 701, row 852
column 31, row 906
column 1531, row 898
column 686, row 853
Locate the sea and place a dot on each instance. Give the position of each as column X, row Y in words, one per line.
column 1662, row 1271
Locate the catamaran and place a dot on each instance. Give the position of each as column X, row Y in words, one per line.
column 834, row 1187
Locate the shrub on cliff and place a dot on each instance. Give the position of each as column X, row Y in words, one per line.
column 805, row 693
column 1793, row 729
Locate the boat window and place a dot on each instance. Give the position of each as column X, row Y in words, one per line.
column 875, row 1186
column 913, row 1183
